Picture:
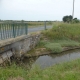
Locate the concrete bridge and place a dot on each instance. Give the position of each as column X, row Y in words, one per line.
column 15, row 40
column 17, row 47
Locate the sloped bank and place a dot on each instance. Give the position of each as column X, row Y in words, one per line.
column 43, row 52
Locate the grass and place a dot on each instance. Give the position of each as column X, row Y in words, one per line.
column 38, row 23
column 42, row 43
column 54, row 47
column 65, row 71
column 60, row 36
column 12, row 71
column 68, row 43
column 64, row 31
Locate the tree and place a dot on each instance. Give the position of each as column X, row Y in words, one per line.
column 67, row 18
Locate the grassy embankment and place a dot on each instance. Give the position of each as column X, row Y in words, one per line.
column 65, row 71
column 62, row 36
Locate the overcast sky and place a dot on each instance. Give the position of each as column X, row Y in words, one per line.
column 37, row 9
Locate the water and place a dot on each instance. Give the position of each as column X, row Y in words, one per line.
column 49, row 60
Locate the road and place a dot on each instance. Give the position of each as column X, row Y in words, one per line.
column 39, row 28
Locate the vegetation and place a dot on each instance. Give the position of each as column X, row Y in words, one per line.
column 55, row 40
column 64, row 71
column 69, row 19
column 75, row 20
column 54, row 47
column 61, row 36
column 64, row 31
column 6, row 73
column 67, row 43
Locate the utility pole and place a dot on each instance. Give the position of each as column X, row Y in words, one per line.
column 45, row 25
column 73, row 10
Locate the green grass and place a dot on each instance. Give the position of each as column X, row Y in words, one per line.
column 62, row 35
column 57, row 46
column 54, row 47
column 65, row 71
column 12, row 71
column 42, row 43
column 67, row 43
column 64, row 31
column 40, row 23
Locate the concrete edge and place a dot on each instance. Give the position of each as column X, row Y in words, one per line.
column 13, row 40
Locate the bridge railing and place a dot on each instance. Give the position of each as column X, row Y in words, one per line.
column 12, row 30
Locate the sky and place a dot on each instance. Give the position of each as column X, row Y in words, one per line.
column 35, row 10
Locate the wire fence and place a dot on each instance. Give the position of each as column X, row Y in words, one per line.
column 12, row 30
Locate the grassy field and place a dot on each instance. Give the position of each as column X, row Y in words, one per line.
column 38, row 24
column 64, row 71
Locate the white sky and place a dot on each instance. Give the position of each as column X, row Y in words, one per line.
column 37, row 9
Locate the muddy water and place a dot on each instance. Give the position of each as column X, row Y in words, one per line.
column 52, row 59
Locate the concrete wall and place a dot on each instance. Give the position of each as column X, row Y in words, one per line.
column 17, row 46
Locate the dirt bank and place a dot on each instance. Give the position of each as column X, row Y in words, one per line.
column 43, row 51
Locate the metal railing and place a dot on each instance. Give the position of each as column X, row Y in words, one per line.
column 12, row 30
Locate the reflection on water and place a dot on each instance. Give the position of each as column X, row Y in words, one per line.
column 49, row 60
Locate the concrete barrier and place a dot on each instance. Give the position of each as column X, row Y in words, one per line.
column 18, row 46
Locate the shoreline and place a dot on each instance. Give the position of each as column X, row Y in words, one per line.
column 48, row 52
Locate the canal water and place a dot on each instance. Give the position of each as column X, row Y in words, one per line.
column 52, row 59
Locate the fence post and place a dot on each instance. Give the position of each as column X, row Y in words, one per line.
column 13, row 30
column 26, row 29
column 45, row 25
column 0, row 32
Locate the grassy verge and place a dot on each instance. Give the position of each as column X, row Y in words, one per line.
column 64, row 31
column 64, row 71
